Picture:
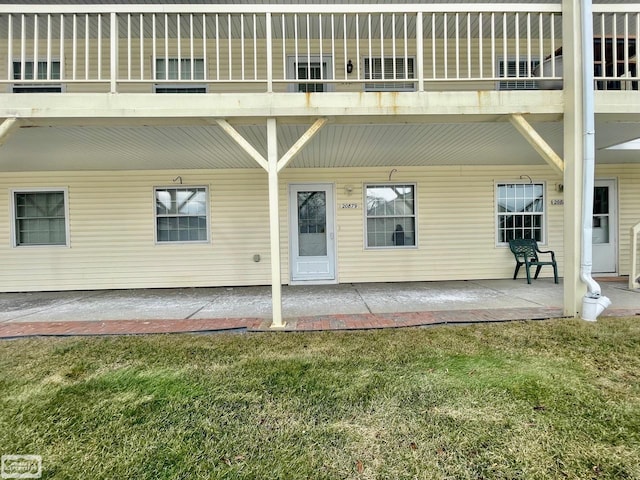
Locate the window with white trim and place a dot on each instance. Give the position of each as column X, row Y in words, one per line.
column 520, row 211
column 44, row 71
column 400, row 68
column 180, row 69
column 181, row 214
column 40, row 217
column 390, row 215
column 310, row 68
column 518, row 74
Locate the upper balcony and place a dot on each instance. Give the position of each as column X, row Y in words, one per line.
column 239, row 49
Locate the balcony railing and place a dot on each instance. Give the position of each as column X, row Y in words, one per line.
column 267, row 48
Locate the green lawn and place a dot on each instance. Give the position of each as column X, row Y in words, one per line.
column 553, row 399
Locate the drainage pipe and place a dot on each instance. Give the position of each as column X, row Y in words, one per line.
column 593, row 303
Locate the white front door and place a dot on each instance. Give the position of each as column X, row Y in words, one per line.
column 605, row 227
column 311, row 209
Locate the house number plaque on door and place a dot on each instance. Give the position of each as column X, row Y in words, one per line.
column 349, row 205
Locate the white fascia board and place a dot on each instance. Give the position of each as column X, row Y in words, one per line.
column 382, row 104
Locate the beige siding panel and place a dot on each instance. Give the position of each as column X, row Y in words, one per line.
column 455, row 209
column 111, row 216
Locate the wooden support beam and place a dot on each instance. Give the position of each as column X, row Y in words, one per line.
column 537, row 142
column 274, row 224
column 246, row 146
column 302, row 141
column 7, row 128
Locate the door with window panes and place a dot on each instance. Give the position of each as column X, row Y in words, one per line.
column 312, row 237
column 605, row 229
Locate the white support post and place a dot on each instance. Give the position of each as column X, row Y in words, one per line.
column 274, row 224
column 574, row 289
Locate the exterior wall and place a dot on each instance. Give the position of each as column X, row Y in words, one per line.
column 111, row 217
column 456, row 222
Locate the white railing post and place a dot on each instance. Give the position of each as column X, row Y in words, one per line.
column 113, row 71
column 269, row 53
column 420, row 51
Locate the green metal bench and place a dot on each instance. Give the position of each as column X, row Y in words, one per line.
column 526, row 251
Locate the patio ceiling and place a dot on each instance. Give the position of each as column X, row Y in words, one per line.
column 136, row 147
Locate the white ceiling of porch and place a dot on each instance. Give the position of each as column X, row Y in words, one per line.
column 202, row 147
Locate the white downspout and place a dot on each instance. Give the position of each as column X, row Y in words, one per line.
column 593, row 303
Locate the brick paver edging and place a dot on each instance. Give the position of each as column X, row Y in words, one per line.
column 315, row 323
column 125, row 327
column 328, row 322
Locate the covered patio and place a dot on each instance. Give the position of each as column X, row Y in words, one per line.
column 248, row 129
column 349, row 306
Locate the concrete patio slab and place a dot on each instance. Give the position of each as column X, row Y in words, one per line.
column 118, row 305
column 457, row 295
column 308, row 307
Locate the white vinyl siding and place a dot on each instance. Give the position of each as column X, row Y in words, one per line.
column 112, row 239
column 112, row 224
column 454, row 204
column 40, row 217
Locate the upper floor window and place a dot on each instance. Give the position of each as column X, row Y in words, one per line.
column 181, row 214
column 43, row 71
column 310, row 67
column 391, row 215
column 517, row 73
column 40, row 217
column 520, row 211
column 172, row 69
column 394, row 69
column 179, row 69
column 620, row 61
